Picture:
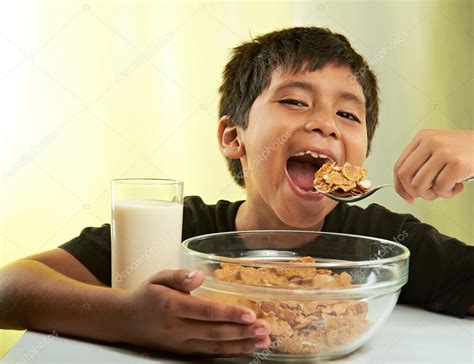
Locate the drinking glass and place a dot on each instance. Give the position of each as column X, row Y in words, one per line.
column 146, row 228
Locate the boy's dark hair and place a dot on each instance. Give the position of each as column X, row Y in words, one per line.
column 249, row 71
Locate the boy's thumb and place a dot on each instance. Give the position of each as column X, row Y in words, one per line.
column 181, row 279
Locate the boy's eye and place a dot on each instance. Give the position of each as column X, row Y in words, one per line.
column 348, row 116
column 293, row 102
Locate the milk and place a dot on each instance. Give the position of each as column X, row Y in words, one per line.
column 146, row 236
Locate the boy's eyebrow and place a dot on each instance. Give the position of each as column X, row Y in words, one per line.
column 344, row 95
column 349, row 96
column 295, row 84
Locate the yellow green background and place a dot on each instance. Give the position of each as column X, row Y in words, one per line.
column 91, row 91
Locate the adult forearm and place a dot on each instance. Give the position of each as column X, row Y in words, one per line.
column 34, row 296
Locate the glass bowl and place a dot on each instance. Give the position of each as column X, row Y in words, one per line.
column 323, row 294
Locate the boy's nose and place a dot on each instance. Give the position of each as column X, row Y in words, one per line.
column 324, row 125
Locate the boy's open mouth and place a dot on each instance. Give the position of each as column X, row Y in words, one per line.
column 301, row 169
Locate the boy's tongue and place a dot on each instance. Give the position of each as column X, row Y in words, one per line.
column 302, row 174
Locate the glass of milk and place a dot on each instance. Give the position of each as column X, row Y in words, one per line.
column 147, row 218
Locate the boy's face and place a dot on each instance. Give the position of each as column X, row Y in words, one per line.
column 320, row 111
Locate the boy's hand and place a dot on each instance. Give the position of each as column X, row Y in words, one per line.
column 434, row 164
column 163, row 315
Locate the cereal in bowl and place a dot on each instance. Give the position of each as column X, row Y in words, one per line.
column 301, row 327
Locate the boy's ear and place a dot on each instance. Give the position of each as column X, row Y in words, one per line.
column 230, row 139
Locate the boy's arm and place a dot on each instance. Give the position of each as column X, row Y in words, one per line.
column 433, row 165
column 65, row 263
column 160, row 314
column 37, row 297
column 441, row 275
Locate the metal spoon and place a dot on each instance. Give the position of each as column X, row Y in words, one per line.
column 353, row 198
column 367, row 193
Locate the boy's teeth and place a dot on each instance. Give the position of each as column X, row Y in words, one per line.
column 313, row 154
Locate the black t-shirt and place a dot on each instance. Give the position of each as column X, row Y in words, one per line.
column 441, row 274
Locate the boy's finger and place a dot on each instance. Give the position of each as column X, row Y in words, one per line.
column 401, row 190
column 458, row 187
column 180, row 279
column 445, row 185
column 425, row 177
column 408, row 169
column 406, row 152
column 216, row 331
column 197, row 308
column 246, row 346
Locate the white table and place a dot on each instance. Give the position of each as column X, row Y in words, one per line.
column 410, row 335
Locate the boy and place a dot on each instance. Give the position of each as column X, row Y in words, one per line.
column 307, row 90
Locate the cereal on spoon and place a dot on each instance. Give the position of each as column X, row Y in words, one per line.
column 346, row 180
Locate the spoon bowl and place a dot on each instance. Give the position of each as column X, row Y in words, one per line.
column 355, row 198
column 366, row 194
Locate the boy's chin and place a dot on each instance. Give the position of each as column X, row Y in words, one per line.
column 302, row 219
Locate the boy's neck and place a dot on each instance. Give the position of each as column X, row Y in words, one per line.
column 253, row 217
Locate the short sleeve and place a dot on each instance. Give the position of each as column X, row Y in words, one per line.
column 93, row 245
column 93, row 249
